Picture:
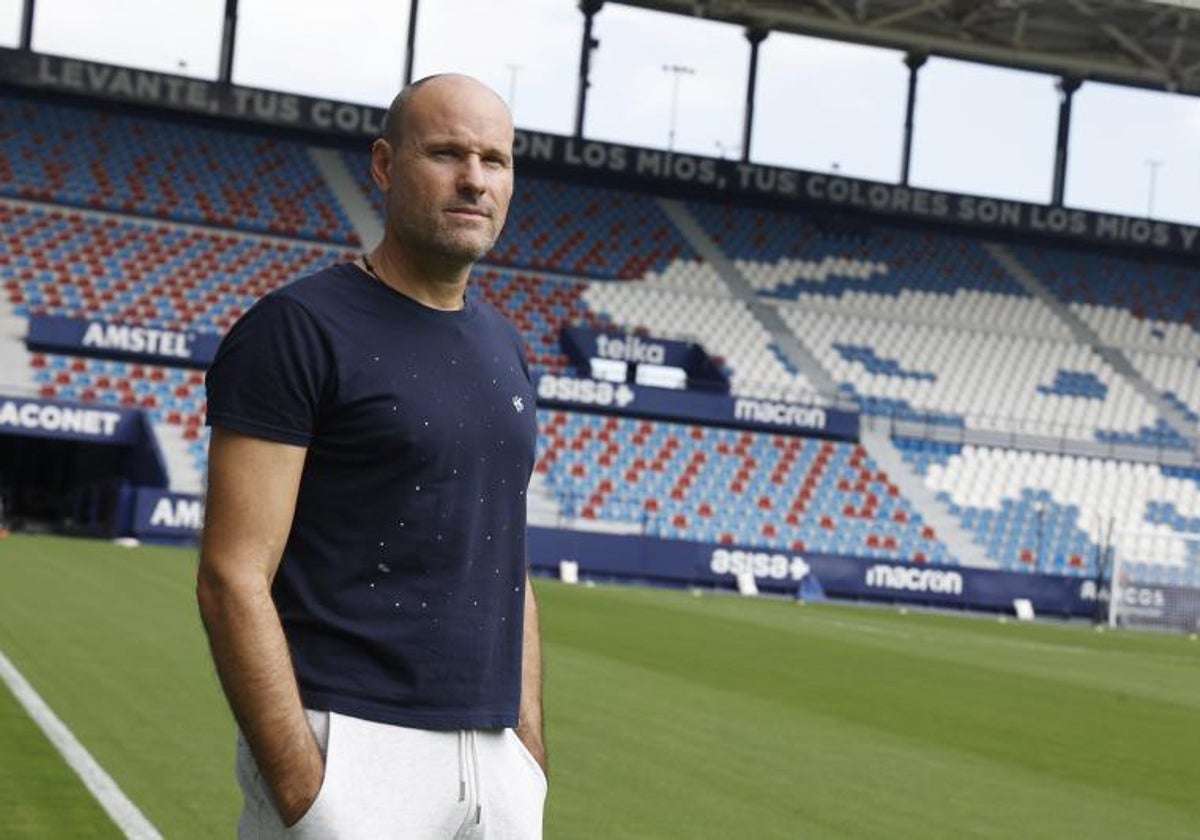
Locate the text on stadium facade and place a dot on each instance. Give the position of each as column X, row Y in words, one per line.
column 648, row 166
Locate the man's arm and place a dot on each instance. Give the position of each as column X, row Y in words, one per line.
column 252, row 489
column 529, row 728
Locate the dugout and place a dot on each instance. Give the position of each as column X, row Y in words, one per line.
column 74, row 468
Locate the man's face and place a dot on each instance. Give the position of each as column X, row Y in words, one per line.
column 450, row 174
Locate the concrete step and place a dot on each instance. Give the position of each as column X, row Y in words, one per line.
column 958, row 539
column 363, row 218
column 1084, row 334
column 16, row 371
column 740, row 287
column 182, row 473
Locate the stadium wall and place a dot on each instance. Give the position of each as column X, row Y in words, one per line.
column 162, row 516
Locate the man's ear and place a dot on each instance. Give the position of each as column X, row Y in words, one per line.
column 381, row 164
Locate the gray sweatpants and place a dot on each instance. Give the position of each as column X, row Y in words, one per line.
column 384, row 782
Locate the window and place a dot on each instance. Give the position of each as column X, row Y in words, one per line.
column 826, row 105
column 533, row 65
column 351, row 50
column 1127, row 143
column 985, row 131
column 631, row 96
column 181, row 38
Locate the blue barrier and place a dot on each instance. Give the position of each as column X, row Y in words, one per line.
column 700, row 407
column 161, row 514
column 682, row 563
column 69, row 421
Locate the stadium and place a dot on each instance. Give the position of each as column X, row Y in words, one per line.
column 861, row 508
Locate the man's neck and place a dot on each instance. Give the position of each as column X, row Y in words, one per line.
column 429, row 282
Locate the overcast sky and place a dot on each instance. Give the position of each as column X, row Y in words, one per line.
column 821, row 105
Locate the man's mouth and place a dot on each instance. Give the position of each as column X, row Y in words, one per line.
column 469, row 211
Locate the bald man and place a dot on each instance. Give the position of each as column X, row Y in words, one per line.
column 363, row 577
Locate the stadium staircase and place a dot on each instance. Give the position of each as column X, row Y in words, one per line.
column 347, row 190
column 958, row 539
column 1084, row 334
column 541, row 505
column 178, row 454
column 877, row 442
column 16, row 372
column 783, row 337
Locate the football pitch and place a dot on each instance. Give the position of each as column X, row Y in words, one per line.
column 669, row 715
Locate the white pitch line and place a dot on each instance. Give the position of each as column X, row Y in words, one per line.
column 112, row 799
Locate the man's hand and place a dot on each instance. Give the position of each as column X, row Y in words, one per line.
column 300, row 789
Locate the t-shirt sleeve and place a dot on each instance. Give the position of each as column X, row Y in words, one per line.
column 270, row 374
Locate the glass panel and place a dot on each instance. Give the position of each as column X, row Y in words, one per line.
column 1134, row 152
column 830, row 106
column 182, row 38
column 985, row 131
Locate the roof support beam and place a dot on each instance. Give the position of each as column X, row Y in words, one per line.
column 589, row 9
column 904, row 14
column 1067, row 86
column 27, row 25
column 410, row 48
column 755, row 37
column 228, row 39
column 914, row 61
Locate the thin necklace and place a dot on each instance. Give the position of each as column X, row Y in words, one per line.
column 371, row 269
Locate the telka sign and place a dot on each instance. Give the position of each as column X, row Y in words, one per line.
column 702, row 176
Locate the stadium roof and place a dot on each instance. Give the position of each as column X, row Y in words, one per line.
column 1145, row 43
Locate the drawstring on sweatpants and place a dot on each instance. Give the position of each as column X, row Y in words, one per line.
column 462, row 767
column 478, row 781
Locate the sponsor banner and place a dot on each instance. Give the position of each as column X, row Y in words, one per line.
column 70, row 421
column 582, row 344
column 702, row 407
column 121, row 341
column 704, row 177
column 1158, row 607
column 160, row 513
column 685, row 563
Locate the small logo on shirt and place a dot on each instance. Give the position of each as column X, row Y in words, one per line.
column 518, row 404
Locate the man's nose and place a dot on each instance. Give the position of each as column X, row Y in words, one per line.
column 470, row 176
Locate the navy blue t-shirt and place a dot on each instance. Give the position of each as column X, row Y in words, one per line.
column 401, row 589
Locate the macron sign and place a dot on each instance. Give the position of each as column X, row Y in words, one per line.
column 696, row 407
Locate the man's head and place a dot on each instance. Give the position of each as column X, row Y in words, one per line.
column 445, row 163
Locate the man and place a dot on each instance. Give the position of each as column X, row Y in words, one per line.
column 362, row 576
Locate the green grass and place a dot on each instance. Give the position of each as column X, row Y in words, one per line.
column 668, row 715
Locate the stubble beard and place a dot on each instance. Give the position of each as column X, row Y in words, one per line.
column 441, row 242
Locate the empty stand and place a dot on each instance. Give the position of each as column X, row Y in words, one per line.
column 728, row 486
column 979, row 379
column 786, row 255
column 1054, row 513
column 539, row 307
column 170, row 170
column 725, row 326
column 74, row 264
column 581, row 231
